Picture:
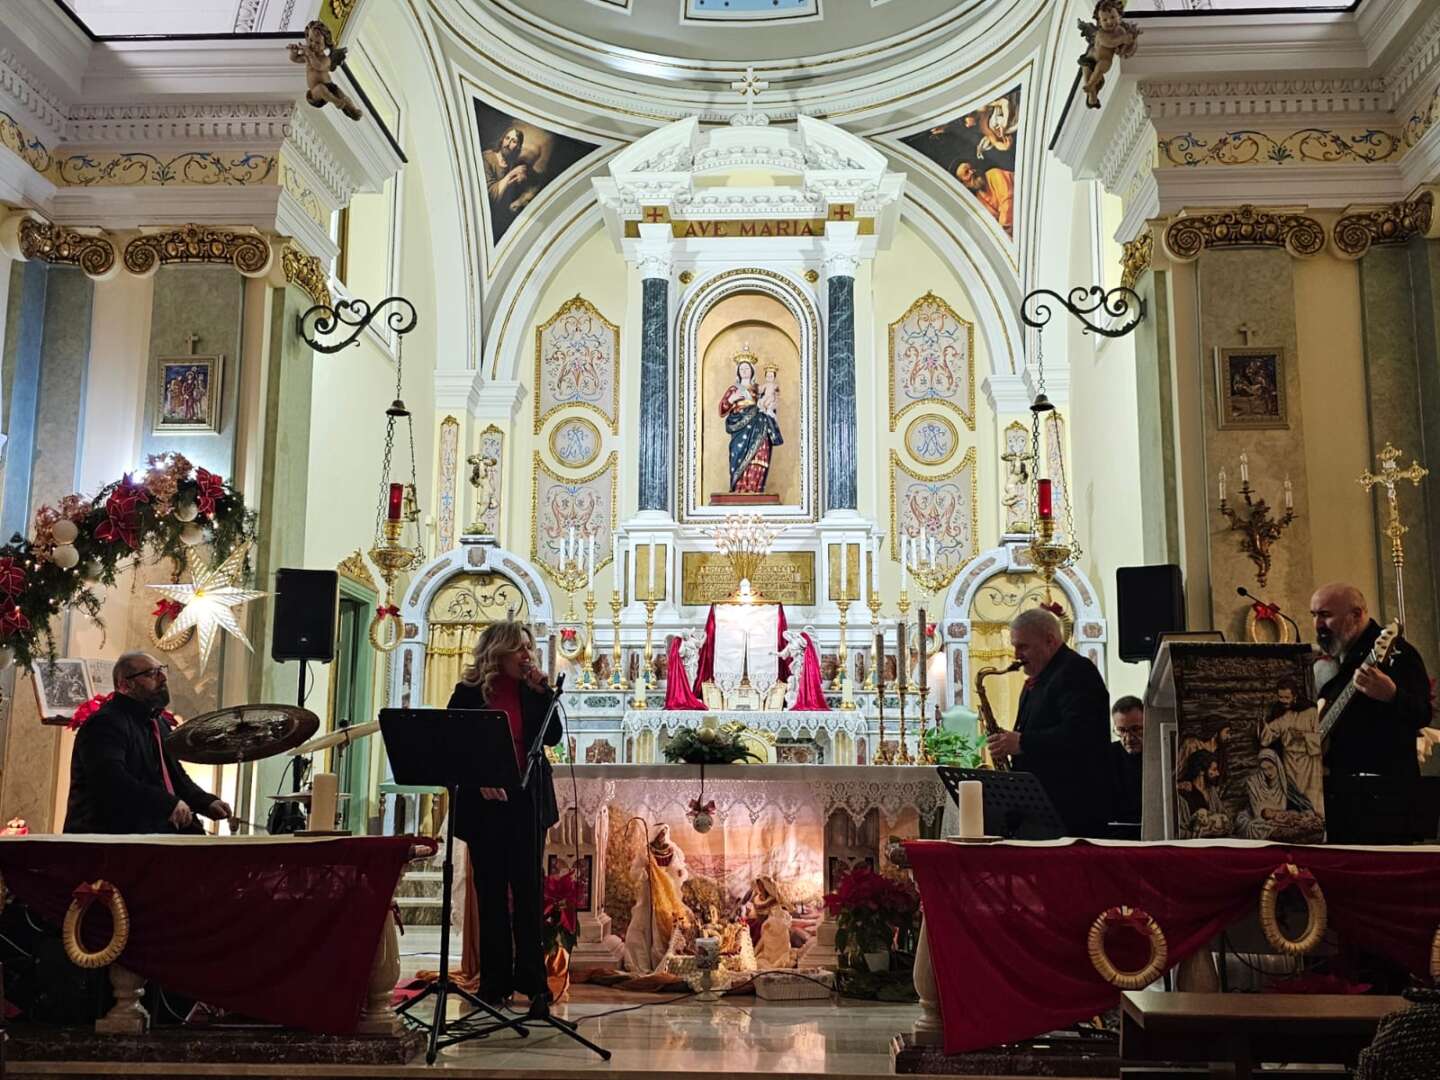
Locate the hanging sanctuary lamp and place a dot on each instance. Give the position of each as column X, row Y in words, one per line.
column 398, row 513
column 1052, row 548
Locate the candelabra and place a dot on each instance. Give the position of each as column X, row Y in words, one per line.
column 587, row 651
column 842, row 672
column 745, row 541
column 617, row 672
column 902, row 678
column 642, row 677
column 874, row 604
column 1258, row 530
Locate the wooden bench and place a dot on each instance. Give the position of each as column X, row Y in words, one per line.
column 1247, row 1029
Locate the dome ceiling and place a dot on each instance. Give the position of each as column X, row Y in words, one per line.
column 738, row 31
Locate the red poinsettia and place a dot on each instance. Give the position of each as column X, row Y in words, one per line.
column 211, row 489
column 122, row 508
column 870, row 908
column 12, row 621
column 89, row 709
column 12, row 578
column 563, row 896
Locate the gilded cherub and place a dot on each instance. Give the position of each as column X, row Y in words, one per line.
column 1108, row 36
column 321, row 56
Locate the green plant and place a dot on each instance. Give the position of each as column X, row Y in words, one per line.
column 709, row 746
column 870, row 909
column 949, row 747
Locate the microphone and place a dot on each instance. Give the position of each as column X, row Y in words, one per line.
column 559, row 684
column 1240, row 590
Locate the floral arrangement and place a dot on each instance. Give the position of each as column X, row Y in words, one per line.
column 709, row 746
column 563, row 897
column 156, row 514
column 950, row 747
column 91, row 707
column 870, row 909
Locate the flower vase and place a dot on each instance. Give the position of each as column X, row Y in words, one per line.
column 557, row 973
column 878, row 961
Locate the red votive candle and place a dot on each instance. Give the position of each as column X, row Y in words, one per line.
column 1046, row 507
column 397, row 499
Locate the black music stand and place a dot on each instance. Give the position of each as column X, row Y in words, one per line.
column 1016, row 806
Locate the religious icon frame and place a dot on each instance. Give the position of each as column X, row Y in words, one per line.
column 169, row 368
column 1227, row 416
column 55, row 707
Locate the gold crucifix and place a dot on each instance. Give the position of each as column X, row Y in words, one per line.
column 1390, row 475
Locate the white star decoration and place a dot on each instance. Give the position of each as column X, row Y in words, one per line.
column 210, row 600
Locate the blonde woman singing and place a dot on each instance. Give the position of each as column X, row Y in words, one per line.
column 505, row 829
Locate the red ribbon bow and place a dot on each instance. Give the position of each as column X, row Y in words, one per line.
column 86, row 894
column 211, row 490
column 12, row 621
column 1288, row 875
column 1136, row 919
column 167, row 609
column 12, row 578
column 567, row 633
column 384, row 611
column 1265, row 611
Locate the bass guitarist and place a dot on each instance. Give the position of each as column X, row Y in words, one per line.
column 1371, row 767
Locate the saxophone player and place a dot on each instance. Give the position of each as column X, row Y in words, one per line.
column 1062, row 732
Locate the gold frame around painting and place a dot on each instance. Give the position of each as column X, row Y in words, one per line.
column 577, row 419
column 215, row 377
column 1224, row 400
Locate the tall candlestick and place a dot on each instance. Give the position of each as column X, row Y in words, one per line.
column 844, row 559
column 904, row 543
column 875, row 564
column 650, row 591
column 1289, row 495
column 397, row 500
column 1222, row 485
column 924, row 641
column 1046, row 500
column 902, row 655
column 1244, row 467
column 880, row 661
column 615, row 562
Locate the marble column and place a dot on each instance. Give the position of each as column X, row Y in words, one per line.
column 655, row 381
column 841, row 460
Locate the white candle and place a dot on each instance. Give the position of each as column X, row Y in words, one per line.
column 924, row 543
column 650, row 592
column 592, row 557
column 972, row 808
column 844, row 560
column 615, row 558
column 1244, row 467
column 904, row 544
column 324, row 796
column 932, row 551
column 574, row 551
column 1289, row 495
column 1222, row 485
column 875, row 564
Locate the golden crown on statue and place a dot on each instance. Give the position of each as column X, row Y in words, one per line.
column 745, row 356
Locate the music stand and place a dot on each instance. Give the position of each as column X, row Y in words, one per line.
column 1016, row 806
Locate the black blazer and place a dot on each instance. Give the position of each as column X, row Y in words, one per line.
column 115, row 780
column 1376, row 736
column 533, row 707
column 1064, row 725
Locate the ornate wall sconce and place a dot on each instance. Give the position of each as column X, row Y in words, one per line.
column 1258, row 530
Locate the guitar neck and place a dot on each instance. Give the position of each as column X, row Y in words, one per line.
column 1332, row 714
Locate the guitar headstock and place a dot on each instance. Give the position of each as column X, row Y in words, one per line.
column 1385, row 643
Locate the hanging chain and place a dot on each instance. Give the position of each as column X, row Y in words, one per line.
column 1037, row 463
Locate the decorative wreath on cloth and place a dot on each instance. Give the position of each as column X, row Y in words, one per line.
column 1139, row 920
column 85, row 895
column 1285, row 877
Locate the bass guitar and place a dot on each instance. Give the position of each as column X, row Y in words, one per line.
column 1379, row 656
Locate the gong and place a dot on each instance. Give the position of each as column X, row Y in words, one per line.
column 241, row 733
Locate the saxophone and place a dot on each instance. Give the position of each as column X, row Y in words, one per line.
column 987, row 714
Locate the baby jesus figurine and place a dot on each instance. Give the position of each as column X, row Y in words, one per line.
column 1108, row 36
column 770, row 393
column 321, row 57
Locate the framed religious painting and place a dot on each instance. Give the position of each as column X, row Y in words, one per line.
column 187, row 393
column 61, row 687
column 1250, row 388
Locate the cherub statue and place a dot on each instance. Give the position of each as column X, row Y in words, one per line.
column 321, row 56
column 794, row 651
column 690, row 647
column 1108, row 36
column 482, row 479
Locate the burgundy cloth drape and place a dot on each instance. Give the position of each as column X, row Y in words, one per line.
column 283, row 930
column 811, row 697
column 1007, row 923
column 705, row 669
column 678, row 694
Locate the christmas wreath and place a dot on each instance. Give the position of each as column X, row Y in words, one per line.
column 709, row 746
column 156, row 514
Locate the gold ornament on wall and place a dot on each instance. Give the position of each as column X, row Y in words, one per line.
column 1136, row 258
column 354, row 568
column 932, row 360
column 577, row 352
column 247, row 252
column 59, row 246
column 1392, row 224
column 307, row 273
column 1187, row 237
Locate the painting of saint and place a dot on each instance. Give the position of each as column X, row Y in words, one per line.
column 520, row 160
column 1251, row 388
column 751, row 420
column 187, row 394
column 979, row 151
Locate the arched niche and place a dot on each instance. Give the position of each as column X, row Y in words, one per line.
column 500, row 574
column 1009, row 568
column 719, row 316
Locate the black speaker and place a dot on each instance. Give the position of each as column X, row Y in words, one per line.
column 307, row 611
column 1151, row 602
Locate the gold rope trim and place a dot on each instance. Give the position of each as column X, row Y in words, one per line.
column 1127, row 980
column 1314, row 905
column 119, row 938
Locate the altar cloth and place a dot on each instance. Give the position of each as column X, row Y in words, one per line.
column 1008, row 922
column 282, row 929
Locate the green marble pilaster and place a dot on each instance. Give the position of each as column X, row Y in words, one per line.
column 1154, row 376
column 1398, row 297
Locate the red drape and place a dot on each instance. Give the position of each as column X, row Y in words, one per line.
column 678, row 695
column 811, row 697
column 705, row 669
column 283, row 930
column 1007, row 923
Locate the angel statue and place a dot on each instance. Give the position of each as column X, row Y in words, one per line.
column 321, row 56
column 690, row 647
column 482, row 479
column 1108, row 36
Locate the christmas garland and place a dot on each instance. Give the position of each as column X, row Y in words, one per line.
column 82, row 542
